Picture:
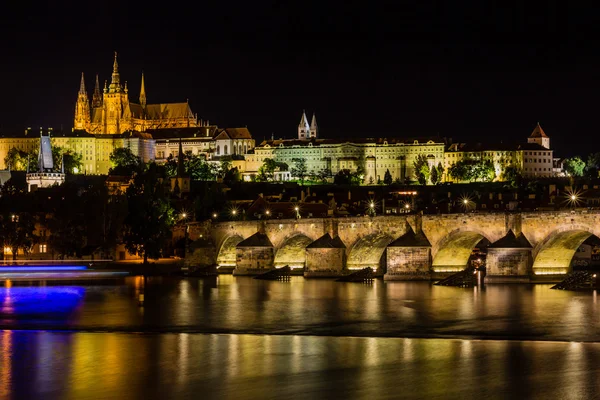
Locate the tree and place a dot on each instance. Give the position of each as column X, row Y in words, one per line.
column 440, row 171
column 511, row 174
column 124, row 162
column 421, row 169
column 592, row 165
column 232, row 175
column 266, row 172
column 300, row 169
column 574, row 166
column 72, row 160
column 323, row 174
column 343, row 177
column 470, row 169
column 147, row 227
column 387, row 178
column 17, row 232
column 18, row 160
column 435, row 178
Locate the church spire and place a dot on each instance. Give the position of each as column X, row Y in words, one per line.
column 82, row 86
column 313, row 126
column 82, row 108
column 115, row 84
column 97, row 98
column 180, row 167
column 143, row 92
column 303, row 127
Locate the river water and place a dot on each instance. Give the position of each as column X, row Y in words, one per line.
column 238, row 338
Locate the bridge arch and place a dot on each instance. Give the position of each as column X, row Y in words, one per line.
column 369, row 251
column 553, row 255
column 451, row 253
column 292, row 251
column 226, row 256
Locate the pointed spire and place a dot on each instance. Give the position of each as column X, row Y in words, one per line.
column 97, row 98
column 143, row 92
column 303, row 127
column 313, row 126
column 82, row 85
column 126, row 89
column 180, row 168
column 303, row 120
column 115, row 84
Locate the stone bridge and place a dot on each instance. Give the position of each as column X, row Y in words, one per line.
column 523, row 246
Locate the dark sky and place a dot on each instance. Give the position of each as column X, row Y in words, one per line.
column 484, row 71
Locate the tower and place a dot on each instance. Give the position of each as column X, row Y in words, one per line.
column 314, row 129
column 303, row 127
column 143, row 93
column 114, row 102
column 97, row 98
column 82, row 108
column 539, row 136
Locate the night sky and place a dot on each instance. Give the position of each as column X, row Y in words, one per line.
column 481, row 72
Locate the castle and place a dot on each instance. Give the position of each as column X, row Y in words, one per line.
column 112, row 112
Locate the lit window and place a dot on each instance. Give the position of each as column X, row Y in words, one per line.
column 43, row 248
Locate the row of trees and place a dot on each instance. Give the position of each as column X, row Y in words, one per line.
column 19, row 160
column 577, row 167
column 473, row 170
column 424, row 173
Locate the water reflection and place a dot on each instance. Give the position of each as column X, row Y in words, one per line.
column 153, row 366
column 315, row 307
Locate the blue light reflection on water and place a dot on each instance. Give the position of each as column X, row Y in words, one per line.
column 29, row 302
column 25, row 268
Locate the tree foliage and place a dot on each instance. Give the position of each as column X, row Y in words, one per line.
column 592, row 166
column 147, row 227
column 124, row 162
column 387, row 178
column 574, row 166
column 17, row 160
column 266, row 172
column 299, row 170
column 473, row 170
column 422, row 171
column 17, row 232
column 347, row 177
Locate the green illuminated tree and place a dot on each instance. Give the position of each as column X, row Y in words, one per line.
column 574, row 166
column 300, row 169
column 124, row 162
column 422, row 171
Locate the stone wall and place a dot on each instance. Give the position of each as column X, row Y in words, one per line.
column 408, row 263
column 253, row 260
column 508, row 265
column 324, row 262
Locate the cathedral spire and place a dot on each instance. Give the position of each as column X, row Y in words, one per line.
column 97, row 98
column 303, row 127
column 82, row 86
column 115, row 83
column 313, row 126
column 143, row 92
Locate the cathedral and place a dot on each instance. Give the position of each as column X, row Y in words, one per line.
column 111, row 112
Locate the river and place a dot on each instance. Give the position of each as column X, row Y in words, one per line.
column 237, row 338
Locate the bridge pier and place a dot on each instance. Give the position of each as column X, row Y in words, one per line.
column 509, row 260
column 409, row 258
column 254, row 255
column 325, row 257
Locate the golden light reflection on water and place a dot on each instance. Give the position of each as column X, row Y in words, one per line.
column 6, row 339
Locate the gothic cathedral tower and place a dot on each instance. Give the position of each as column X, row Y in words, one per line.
column 82, row 108
column 114, row 102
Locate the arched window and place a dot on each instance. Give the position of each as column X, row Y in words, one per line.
column 225, row 150
column 240, row 149
column 245, row 149
column 218, row 150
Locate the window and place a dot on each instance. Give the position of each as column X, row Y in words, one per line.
column 43, row 248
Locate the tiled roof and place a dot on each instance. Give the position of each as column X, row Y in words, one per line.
column 184, row 133
column 168, row 110
column 538, row 132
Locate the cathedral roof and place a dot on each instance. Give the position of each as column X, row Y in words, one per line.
column 168, row 110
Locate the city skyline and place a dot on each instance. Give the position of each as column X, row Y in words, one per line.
column 464, row 74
